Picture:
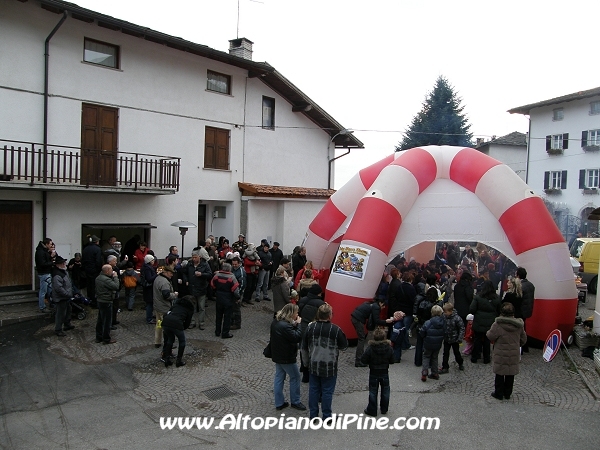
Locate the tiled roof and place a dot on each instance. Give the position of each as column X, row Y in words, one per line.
column 265, row 190
column 515, row 138
column 553, row 101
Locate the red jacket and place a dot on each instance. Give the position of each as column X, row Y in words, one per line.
column 252, row 266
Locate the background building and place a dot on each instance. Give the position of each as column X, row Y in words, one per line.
column 563, row 157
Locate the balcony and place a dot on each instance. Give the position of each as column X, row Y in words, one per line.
column 26, row 165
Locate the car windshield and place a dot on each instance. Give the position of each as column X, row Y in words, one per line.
column 576, row 248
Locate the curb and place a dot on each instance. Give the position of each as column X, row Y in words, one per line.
column 6, row 322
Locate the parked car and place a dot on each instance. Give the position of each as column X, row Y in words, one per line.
column 587, row 252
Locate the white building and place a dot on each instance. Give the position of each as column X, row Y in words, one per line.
column 510, row 150
column 129, row 130
column 564, row 159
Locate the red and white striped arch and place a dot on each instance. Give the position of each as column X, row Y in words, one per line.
column 368, row 212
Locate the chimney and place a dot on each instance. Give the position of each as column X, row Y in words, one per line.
column 241, row 47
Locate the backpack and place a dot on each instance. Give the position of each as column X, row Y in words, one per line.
column 129, row 281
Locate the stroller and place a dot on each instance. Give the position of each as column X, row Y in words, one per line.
column 77, row 306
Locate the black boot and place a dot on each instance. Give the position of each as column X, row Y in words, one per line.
column 179, row 363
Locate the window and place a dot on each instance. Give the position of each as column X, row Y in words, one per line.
column 216, row 148
column 555, row 180
column 589, row 178
column 557, row 142
column 218, row 82
column 268, row 113
column 101, row 53
column 590, row 138
column 558, row 114
column 595, row 108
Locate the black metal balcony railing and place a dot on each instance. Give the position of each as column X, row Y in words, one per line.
column 33, row 164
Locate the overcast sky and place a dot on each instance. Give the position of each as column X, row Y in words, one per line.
column 371, row 63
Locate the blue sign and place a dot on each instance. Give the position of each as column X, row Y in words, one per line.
column 552, row 345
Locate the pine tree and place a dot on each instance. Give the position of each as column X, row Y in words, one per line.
column 441, row 121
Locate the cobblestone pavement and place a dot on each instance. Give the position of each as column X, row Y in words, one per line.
column 232, row 376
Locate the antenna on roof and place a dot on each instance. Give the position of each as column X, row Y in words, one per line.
column 237, row 33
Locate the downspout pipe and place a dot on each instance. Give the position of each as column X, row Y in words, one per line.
column 330, row 163
column 45, row 141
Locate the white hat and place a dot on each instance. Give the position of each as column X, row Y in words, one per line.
column 470, row 316
column 148, row 259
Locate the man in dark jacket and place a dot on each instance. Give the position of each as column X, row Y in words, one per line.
column 174, row 322
column 227, row 292
column 378, row 356
column 276, row 256
column 262, row 285
column 360, row 318
column 309, row 306
column 284, row 338
column 43, row 265
column 107, row 283
column 321, row 344
column 528, row 299
column 196, row 276
column 91, row 261
column 62, row 293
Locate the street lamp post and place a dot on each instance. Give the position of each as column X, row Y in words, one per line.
column 183, row 227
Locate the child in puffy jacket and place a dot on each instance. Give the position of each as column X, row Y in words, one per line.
column 432, row 333
column 454, row 331
column 468, row 335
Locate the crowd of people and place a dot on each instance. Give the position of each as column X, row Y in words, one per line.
column 475, row 295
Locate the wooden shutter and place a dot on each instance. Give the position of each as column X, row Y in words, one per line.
column 216, row 148
column 546, row 180
column 563, row 180
column 548, row 142
column 582, row 179
column 584, row 135
column 565, row 141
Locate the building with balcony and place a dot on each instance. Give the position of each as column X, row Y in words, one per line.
column 563, row 157
column 111, row 128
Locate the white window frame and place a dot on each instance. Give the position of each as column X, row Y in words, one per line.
column 592, row 178
column 593, row 137
column 594, row 108
column 556, row 142
column 558, row 114
column 555, row 179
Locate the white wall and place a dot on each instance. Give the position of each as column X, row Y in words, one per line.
column 163, row 109
column 513, row 156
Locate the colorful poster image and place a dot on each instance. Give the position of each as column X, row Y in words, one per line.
column 351, row 261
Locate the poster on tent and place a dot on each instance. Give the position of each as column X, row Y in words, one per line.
column 352, row 261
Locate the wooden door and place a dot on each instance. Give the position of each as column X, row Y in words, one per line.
column 99, row 126
column 15, row 242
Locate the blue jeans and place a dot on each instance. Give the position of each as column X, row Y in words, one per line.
column 374, row 382
column 104, row 321
column 408, row 320
column 322, row 387
column 280, row 371
column 130, row 297
column 45, row 288
column 262, row 284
